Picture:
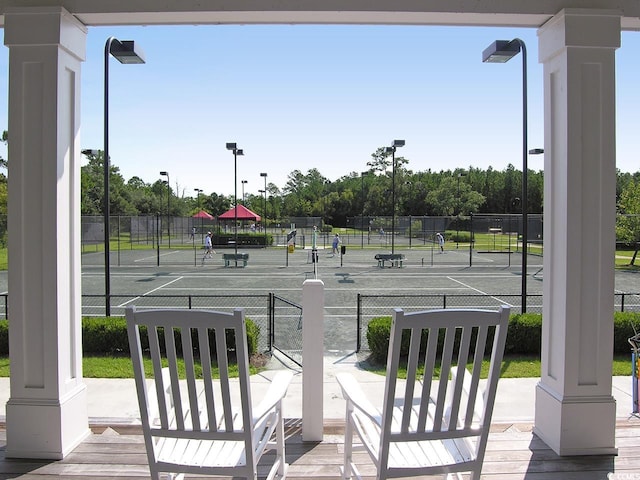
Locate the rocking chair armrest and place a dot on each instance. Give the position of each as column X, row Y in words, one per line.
column 276, row 392
column 352, row 392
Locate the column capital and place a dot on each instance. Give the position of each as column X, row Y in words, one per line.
column 38, row 26
column 579, row 27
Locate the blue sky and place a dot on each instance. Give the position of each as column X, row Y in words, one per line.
column 317, row 96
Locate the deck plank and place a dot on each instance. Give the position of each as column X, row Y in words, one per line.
column 513, row 453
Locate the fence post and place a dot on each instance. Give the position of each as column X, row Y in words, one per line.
column 312, row 359
column 358, row 322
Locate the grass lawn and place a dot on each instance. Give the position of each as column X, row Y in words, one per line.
column 120, row 367
column 521, row 367
column 512, row 367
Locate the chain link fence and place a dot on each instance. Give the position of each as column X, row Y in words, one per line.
column 287, row 328
column 372, row 306
column 256, row 307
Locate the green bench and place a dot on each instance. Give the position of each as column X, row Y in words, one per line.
column 235, row 258
column 395, row 259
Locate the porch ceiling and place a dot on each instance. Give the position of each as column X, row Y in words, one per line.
column 514, row 13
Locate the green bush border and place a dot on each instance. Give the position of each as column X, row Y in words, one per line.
column 524, row 336
column 108, row 336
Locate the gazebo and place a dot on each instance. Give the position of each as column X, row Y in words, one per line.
column 204, row 215
column 244, row 214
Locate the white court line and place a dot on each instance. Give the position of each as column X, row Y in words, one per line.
column 298, row 289
column 480, row 291
column 155, row 256
column 149, row 292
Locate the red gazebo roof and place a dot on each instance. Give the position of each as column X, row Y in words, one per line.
column 203, row 214
column 243, row 214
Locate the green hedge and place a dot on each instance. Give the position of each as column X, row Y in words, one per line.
column 108, row 335
column 524, row 335
column 244, row 239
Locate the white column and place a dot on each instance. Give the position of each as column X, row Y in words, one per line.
column 47, row 408
column 312, row 360
column 575, row 411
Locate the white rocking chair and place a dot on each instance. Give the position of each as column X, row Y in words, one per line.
column 190, row 423
column 437, row 422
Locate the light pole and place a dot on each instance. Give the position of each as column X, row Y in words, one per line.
column 460, row 174
column 236, row 152
column 126, row 52
column 502, row 51
column 392, row 151
column 362, row 174
column 264, row 223
column 198, row 192
column 166, row 174
column 243, row 182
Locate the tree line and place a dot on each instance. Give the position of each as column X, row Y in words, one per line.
column 447, row 192
column 368, row 192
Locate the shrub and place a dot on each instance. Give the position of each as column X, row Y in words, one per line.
column 623, row 324
column 379, row 335
column 524, row 336
column 4, row 337
column 108, row 335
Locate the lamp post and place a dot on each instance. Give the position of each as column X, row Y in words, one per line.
column 392, row 151
column 198, row 192
column 126, row 52
column 460, row 174
column 362, row 174
column 243, row 182
column 166, row 174
column 264, row 223
column 236, row 152
column 502, row 51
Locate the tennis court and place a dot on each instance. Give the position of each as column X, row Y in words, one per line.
column 427, row 274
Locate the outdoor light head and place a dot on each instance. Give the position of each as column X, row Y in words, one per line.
column 389, row 149
column 244, row 181
column 398, row 143
column 501, row 51
column 88, row 151
column 126, row 51
column 164, row 173
column 263, row 174
column 232, row 146
column 239, row 151
column 536, row 151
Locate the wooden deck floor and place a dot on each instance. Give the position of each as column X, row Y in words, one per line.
column 513, row 453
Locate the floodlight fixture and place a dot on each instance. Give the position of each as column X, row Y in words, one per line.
column 501, row 51
column 126, row 51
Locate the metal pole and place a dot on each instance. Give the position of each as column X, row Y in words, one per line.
column 458, row 219
column 168, row 210
column 525, row 169
column 107, row 273
column 393, row 199
column 362, row 215
column 235, row 204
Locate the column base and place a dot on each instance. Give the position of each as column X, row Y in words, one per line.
column 46, row 428
column 575, row 425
